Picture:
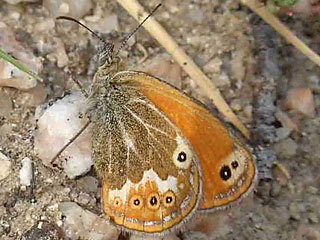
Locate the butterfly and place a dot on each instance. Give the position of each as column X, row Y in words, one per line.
column 162, row 157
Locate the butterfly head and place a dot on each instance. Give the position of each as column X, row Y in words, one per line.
column 105, row 54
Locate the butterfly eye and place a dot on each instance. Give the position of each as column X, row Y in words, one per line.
column 169, row 199
column 225, row 173
column 153, row 201
column 136, row 202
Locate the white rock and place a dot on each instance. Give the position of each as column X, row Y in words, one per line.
column 25, row 173
column 72, row 8
column 5, row 168
column 10, row 76
column 57, row 125
column 18, row 1
column 82, row 224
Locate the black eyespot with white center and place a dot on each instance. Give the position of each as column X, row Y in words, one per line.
column 182, row 157
column 153, row 201
column 225, row 173
column 235, row 164
column 136, row 202
column 169, row 200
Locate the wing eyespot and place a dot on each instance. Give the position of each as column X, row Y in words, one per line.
column 136, row 202
column 169, row 199
column 182, row 156
column 153, row 201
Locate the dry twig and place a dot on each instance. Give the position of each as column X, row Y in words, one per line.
column 262, row 11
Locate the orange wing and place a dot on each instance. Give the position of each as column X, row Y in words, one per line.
column 228, row 168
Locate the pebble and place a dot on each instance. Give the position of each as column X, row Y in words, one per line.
column 88, row 184
column 295, row 210
column 60, row 53
column 84, row 198
column 107, row 24
column 213, row 66
column 18, row 1
column 286, row 148
column 286, row 121
column 82, row 224
column 222, row 80
column 5, row 168
column 312, row 190
column 44, row 25
column 73, row 8
column 6, row 105
column 300, row 99
column 281, row 174
column 25, row 56
column 248, row 111
column 26, row 172
column 56, row 126
column 10, row 76
column 165, row 69
column 33, row 97
column 282, row 133
column 236, row 105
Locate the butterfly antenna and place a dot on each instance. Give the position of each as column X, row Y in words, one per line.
column 124, row 42
column 76, row 21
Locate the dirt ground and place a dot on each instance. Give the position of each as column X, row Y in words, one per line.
column 235, row 49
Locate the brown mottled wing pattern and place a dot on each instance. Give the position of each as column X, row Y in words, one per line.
column 136, row 149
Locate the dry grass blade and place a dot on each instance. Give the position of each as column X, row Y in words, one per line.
column 262, row 11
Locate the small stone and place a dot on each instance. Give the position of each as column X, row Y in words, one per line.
column 213, row 66
column 275, row 189
column 281, row 173
column 6, row 105
column 295, row 209
column 73, row 8
column 313, row 217
column 5, row 168
column 5, row 129
column 33, row 97
column 107, row 24
column 236, row 105
column 286, row 121
column 44, row 25
column 60, row 53
column 222, row 80
column 312, row 190
column 56, row 126
column 286, row 148
column 282, row 133
column 26, row 172
column 88, row 184
column 84, row 198
column 82, row 224
column 194, row 15
column 165, row 69
column 248, row 111
column 10, row 76
column 18, row 1
column 300, row 99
